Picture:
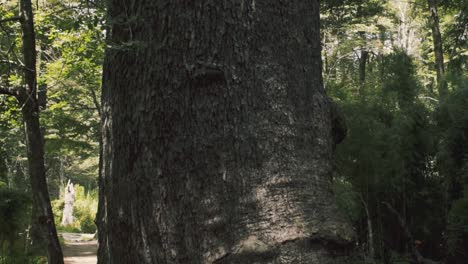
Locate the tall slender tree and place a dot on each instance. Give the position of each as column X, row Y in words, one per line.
column 217, row 135
column 27, row 97
column 438, row 48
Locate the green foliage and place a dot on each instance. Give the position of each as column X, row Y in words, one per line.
column 389, row 154
column 87, row 224
column 453, row 162
column 452, row 119
column 395, row 150
column 349, row 11
column 85, row 209
column 70, row 45
column 72, row 52
column 73, row 228
column 15, row 208
column 14, row 214
column 22, row 259
column 57, row 209
column 348, row 200
column 399, row 80
column 457, row 228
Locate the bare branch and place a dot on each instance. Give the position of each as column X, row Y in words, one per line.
column 12, row 63
column 97, row 105
column 409, row 237
column 429, row 98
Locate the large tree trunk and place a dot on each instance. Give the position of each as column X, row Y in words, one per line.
column 43, row 218
column 217, row 135
column 438, row 50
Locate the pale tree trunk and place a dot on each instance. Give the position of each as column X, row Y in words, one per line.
column 43, row 233
column 217, row 136
column 438, row 48
column 61, row 177
column 67, row 218
column 370, row 231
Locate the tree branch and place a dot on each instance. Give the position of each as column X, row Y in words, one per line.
column 8, row 91
column 10, row 19
column 97, row 105
column 13, row 64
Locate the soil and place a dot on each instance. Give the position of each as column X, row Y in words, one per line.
column 77, row 251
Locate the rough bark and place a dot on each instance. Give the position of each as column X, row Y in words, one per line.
column 43, row 218
column 67, row 218
column 438, row 48
column 217, row 135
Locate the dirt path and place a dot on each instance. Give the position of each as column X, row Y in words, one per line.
column 77, row 251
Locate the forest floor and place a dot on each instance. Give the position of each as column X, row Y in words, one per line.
column 78, row 250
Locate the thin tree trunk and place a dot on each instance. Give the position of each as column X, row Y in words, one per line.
column 217, row 135
column 362, row 70
column 438, row 48
column 362, row 65
column 370, row 231
column 43, row 219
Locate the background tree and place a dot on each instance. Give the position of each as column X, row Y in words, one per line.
column 69, row 40
column 438, row 48
column 27, row 96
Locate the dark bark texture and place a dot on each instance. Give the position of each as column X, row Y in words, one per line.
column 217, row 135
column 362, row 68
column 43, row 226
